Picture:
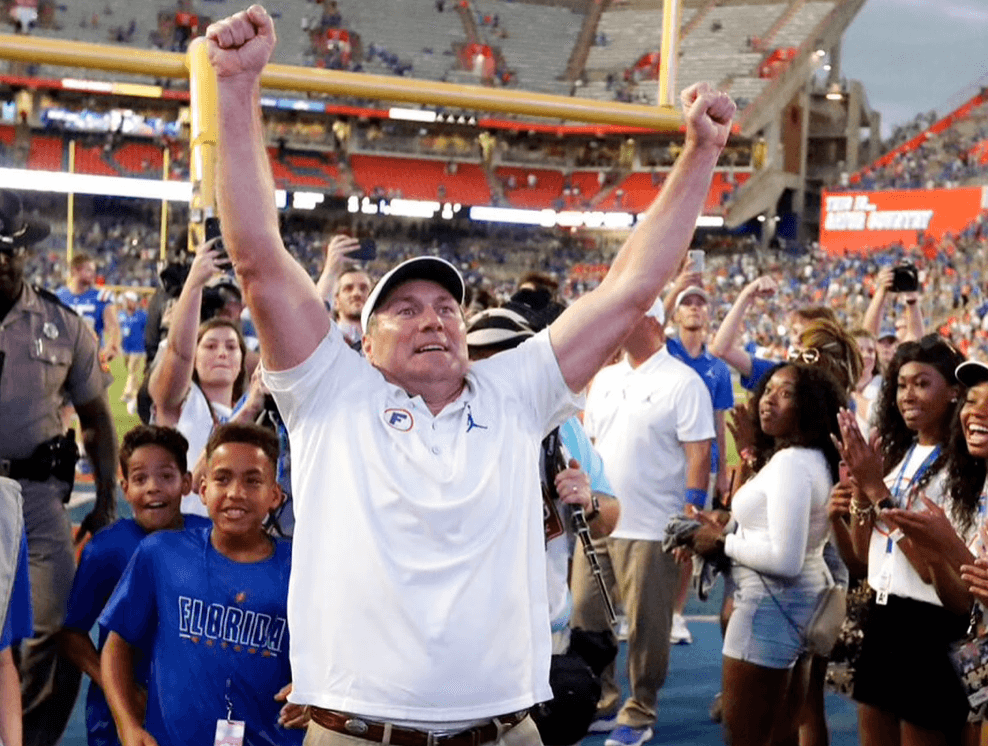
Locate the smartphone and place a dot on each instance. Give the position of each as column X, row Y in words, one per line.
column 366, row 252
column 212, row 227
column 843, row 473
column 695, row 260
column 905, row 279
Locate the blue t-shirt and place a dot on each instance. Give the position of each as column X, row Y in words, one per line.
column 214, row 628
column 89, row 304
column 132, row 330
column 716, row 376
column 759, row 367
column 19, row 623
column 101, row 565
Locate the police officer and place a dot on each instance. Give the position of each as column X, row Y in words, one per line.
column 47, row 352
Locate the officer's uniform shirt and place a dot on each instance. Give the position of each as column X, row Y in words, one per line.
column 47, row 350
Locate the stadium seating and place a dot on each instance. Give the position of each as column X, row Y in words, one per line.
column 417, row 178
column 535, row 41
column 46, row 154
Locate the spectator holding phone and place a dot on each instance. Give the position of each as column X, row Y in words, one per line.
column 903, row 282
column 347, row 285
column 200, row 372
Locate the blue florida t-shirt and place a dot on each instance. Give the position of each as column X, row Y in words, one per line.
column 89, row 304
column 101, row 565
column 132, row 330
column 214, row 628
column 717, row 378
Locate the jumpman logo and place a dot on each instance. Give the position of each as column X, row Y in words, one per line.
column 471, row 424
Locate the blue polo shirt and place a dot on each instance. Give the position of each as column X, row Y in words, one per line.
column 716, row 376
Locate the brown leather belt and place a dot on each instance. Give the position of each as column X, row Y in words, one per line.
column 375, row 731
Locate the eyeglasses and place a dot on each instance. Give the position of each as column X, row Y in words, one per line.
column 11, row 254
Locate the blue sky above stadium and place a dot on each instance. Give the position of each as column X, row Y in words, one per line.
column 917, row 55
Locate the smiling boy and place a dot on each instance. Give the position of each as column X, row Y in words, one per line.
column 208, row 607
column 154, row 478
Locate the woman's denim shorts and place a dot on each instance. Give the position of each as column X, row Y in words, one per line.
column 763, row 630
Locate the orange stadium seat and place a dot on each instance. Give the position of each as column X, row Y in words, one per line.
column 586, row 182
column 420, row 179
column 91, row 160
column 639, row 192
column 548, row 187
column 138, row 158
column 45, row 153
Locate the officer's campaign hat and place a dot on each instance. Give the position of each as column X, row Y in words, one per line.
column 15, row 230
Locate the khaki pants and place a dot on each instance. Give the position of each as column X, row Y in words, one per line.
column 645, row 580
column 135, row 363
column 523, row 734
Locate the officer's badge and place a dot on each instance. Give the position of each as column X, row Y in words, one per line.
column 50, row 330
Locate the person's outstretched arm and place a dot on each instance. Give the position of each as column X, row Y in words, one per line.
column 872, row 320
column 585, row 336
column 172, row 375
column 726, row 343
column 338, row 245
column 288, row 312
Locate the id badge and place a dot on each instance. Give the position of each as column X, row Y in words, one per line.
column 884, row 581
column 970, row 660
column 229, row 733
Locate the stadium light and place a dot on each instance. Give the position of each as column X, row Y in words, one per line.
column 109, row 186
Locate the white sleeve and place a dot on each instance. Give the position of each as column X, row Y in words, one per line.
column 694, row 412
column 781, row 549
column 331, row 370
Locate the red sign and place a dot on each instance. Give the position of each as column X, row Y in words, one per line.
column 858, row 221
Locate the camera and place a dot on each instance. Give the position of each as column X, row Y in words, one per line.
column 905, row 279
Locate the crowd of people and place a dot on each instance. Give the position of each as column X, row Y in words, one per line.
column 341, row 461
column 949, row 157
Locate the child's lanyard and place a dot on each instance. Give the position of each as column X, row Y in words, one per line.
column 898, row 491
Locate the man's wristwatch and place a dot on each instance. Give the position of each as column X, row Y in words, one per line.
column 595, row 510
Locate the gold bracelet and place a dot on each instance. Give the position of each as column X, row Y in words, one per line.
column 860, row 514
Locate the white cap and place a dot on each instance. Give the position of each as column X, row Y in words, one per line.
column 691, row 290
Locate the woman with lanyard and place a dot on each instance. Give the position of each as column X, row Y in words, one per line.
column 904, row 684
column 199, row 373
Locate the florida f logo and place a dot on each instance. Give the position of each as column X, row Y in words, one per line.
column 399, row 419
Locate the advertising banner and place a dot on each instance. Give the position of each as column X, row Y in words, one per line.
column 858, row 221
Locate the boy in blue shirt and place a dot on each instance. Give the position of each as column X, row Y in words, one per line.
column 208, row 606
column 133, row 320
column 155, row 476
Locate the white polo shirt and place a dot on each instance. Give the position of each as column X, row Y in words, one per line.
column 418, row 588
column 639, row 418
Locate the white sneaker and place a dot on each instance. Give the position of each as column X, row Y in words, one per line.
column 680, row 633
